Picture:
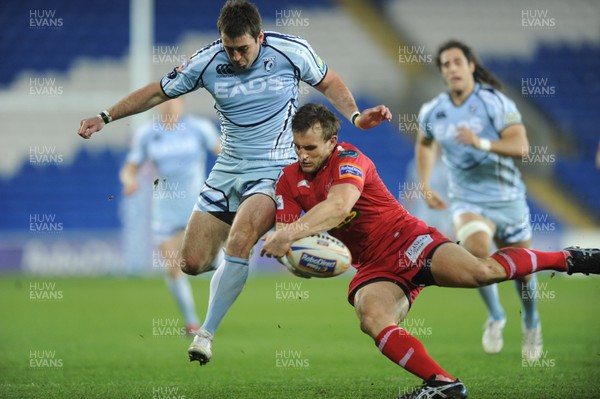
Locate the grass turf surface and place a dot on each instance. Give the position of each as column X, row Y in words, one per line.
column 284, row 338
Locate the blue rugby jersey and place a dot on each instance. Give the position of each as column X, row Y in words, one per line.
column 255, row 106
column 474, row 175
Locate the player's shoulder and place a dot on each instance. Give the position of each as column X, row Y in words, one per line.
column 349, row 153
column 285, row 42
column 431, row 105
column 347, row 150
column 207, row 53
column 492, row 96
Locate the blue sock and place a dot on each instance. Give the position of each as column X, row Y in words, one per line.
column 528, row 295
column 182, row 292
column 492, row 301
column 225, row 286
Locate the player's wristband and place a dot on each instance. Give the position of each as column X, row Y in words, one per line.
column 485, row 145
column 105, row 117
column 354, row 118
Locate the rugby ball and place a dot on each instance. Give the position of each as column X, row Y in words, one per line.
column 319, row 255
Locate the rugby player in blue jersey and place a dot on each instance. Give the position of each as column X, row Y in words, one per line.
column 253, row 77
column 480, row 130
column 176, row 144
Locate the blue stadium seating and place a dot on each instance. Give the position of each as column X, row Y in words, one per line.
column 574, row 108
column 78, row 193
column 82, row 195
column 99, row 29
column 82, row 202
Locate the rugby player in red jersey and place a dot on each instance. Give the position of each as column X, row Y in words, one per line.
column 395, row 254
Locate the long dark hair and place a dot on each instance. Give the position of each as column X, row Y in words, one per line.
column 481, row 74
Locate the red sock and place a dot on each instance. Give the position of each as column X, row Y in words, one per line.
column 404, row 349
column 519, row 262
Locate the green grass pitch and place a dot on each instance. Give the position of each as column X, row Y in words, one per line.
column 284, row 338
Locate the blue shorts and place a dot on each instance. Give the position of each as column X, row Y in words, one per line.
column 232, row 180
column 173, row 200
column 511, row 218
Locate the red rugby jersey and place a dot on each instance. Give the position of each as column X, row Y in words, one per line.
column 376, row 219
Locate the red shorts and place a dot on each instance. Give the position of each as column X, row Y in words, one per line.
column 404, row 260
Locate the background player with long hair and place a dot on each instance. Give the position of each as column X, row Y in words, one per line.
column 479, row 130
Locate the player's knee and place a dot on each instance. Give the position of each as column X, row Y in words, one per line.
column 372, row 324
column 475, row 237
column 194, row 265
column 189, row 266
column 366, row 324
column 240, row 243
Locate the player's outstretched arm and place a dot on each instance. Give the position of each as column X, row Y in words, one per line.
column 372, row 117
column 139, row 101
column 336, row 91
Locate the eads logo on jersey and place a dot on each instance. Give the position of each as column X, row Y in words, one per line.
column 349, row 219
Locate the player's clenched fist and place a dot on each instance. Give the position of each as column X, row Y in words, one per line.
column 90, row 126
